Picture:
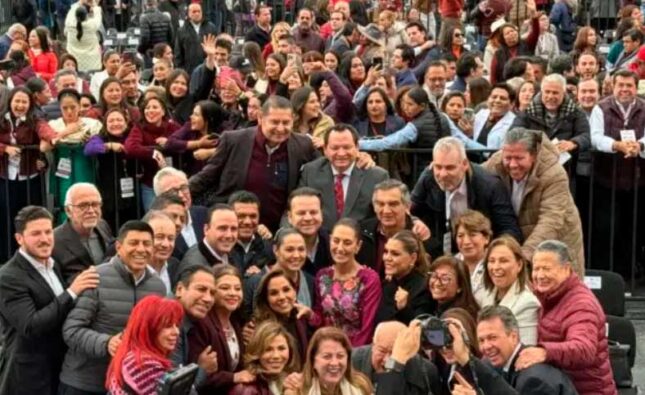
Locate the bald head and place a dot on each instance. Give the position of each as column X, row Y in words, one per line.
column 383, row 341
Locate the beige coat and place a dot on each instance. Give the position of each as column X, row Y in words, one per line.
column 547, row 210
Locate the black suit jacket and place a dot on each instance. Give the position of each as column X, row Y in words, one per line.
column 419, row 299
column 198, row 216
column 323, row 255
column 32, row 318
column 486, row 193
column 72, row 254
column 227, row 171
column 540, row 379
column 358, row 202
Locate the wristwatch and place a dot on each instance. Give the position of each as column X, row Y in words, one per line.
column 392, row 365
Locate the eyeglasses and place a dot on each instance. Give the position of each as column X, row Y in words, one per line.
column 458, row 35
column 444, row 279
column 182, row 188
column 87, row 205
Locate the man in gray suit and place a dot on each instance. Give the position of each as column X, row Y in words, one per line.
column 346, row 190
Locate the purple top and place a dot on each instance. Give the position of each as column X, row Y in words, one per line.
column 349, row 305
column 94, row 146
column 341, row 107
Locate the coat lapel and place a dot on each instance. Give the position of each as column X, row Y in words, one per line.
column 244, row 155
column 34, row 275
column 328, row 194
column 354, row 187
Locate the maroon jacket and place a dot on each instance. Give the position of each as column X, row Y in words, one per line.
column 571, row 328
column 140, row 145
column 209, row 332
column 25, row 135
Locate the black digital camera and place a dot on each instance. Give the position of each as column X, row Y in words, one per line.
column 434, row 332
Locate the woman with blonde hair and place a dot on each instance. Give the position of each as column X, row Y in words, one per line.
column 270, row 356
column 279, row 29
column 330, row 346
column 506, row 284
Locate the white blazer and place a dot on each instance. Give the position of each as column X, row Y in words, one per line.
column 524, row 305
column 497, row 133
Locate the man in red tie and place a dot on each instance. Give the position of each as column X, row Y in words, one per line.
column 346, row 190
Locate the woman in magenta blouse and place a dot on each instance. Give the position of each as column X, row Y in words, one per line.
column 347, row 293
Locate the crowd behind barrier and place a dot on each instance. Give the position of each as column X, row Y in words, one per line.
column 313, row 197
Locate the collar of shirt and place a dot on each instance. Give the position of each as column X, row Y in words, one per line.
column 164, row 268
column 246, row 246
column 507, row 367
column 189, row 222
column 462, row 190
column 262, row 140
column 36, row 263
column 625, row 110
column 347, row 173
column 221, row 258
column 136, row 280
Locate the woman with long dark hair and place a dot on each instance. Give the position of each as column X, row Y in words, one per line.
column 425, row 125
column 21, row 71
column 147, row 142
column 450, row 286
column 114, row 172
column 352, row 71
column 82, row 26
column 335, row 97
column 309, row 118
column 43, row 59
column 377, row 116
column 148, row 340
column 180, row 99
column 198, row 135
column 511, row 45
column 21, row 177
column 451, row 41
column 276, row 300
column 111, row 97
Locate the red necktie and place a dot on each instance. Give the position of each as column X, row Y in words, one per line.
column 339, row 195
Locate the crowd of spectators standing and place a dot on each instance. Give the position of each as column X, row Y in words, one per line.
column 231, row 192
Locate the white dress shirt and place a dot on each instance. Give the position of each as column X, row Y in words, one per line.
column 457, row 201
column 599, row 140
column 345, row 181
column 48, row 274
column 188, row 232
column 163, row 275
column 517, row 194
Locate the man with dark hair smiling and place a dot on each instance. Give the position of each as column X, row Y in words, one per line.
column 33, row 307
column 93, row 329
column 261, row 31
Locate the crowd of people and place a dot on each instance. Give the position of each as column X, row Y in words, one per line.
column 238, row 201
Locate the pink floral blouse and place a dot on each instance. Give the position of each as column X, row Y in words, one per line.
column 349, row 305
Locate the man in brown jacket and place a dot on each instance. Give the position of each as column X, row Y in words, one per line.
column 529, row 166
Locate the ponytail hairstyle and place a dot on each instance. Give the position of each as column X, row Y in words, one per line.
column 413, row 245
column 81, row 16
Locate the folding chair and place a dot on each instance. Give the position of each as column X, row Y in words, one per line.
column 609, row 288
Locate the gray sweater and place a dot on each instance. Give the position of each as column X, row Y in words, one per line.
column 99, row 314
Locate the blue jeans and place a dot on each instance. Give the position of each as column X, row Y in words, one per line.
column 147, row 196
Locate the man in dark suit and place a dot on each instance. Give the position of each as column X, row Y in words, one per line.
column 220, row 236
column 172, row 180
column 265, row 160
column 162, row 262
column 391, row 200
column 452, row 185
column 33, row 307
column 304, row 212
column 499, row 343
column 252, row 252
column 346, row 190
column 83, row 240
column 261, row 31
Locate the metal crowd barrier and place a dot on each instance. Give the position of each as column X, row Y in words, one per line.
column 418, row 160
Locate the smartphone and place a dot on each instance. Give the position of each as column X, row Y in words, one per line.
column 377, row 62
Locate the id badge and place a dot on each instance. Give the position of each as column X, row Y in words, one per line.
column 447, row 243
column 64, row 169
column 628, row 135
column 127, row 187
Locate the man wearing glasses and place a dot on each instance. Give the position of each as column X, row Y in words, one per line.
column 170, row 179
column 83, row 239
